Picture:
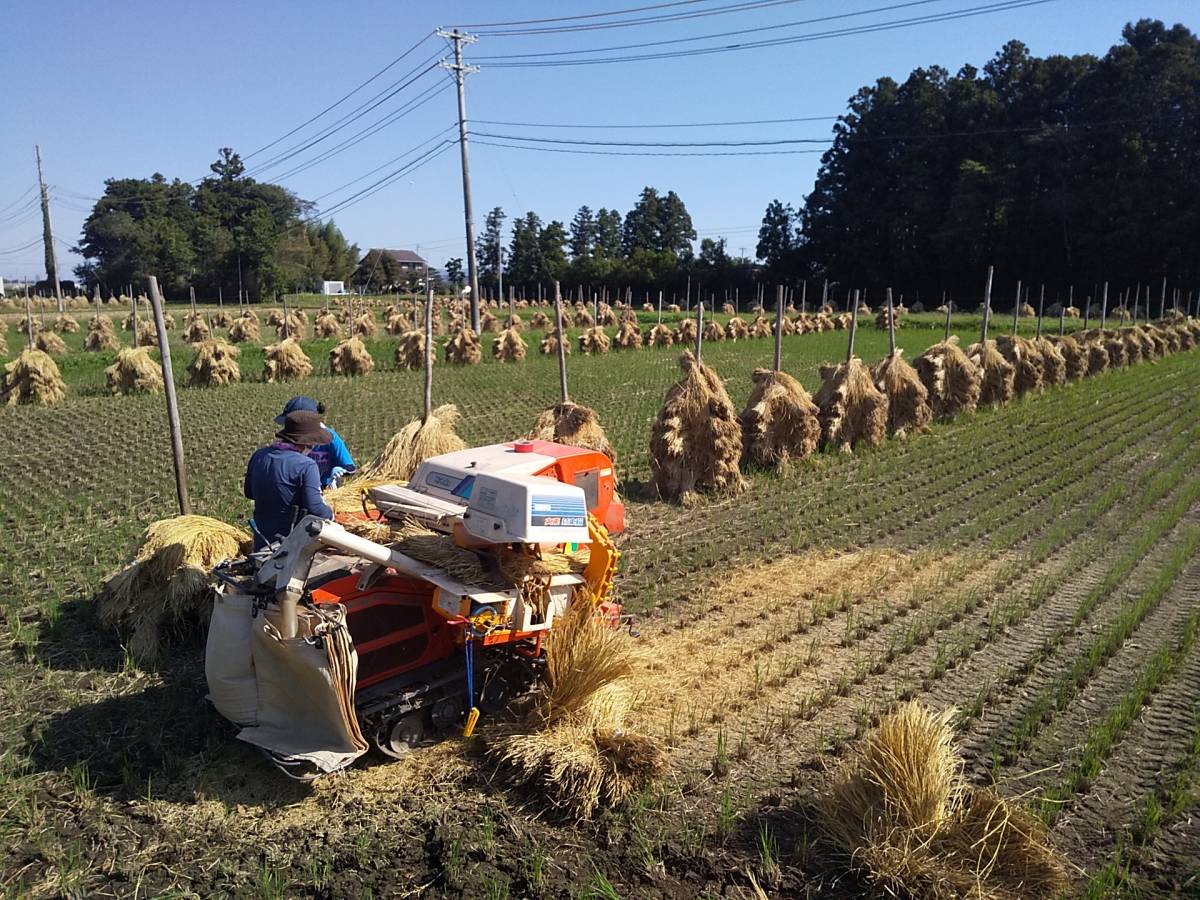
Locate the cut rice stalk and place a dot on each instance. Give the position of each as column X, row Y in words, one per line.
column 286, row 361
column 908, row 409
column 33, row 377
column 852, row 409
column 780, row 422
column 350, row 357
column 463, row 348
column 509, row 346
column 660, row 336
column 215, row 363
column 996, row 372
column 410, row 352
column 134, row 372
column 412, row 445
column 1025, row 358
column 574, row 425
column 594, row 341
column 951, row 379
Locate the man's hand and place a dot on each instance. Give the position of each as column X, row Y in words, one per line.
column 337, row 473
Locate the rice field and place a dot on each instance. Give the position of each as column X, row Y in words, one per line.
column 1032, row 567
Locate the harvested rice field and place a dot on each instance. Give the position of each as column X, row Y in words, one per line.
column 1031, row 568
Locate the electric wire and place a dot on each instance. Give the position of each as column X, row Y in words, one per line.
column 648, row 153
column 745, row 6
column 29, row 190
column 615, row 12
column 656, row 125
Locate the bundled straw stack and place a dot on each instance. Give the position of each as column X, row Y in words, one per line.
column 1115, row 348
column 583, row 319
column 852, row 409
column 32, row 377
column 908, row 409
column 244, row 330
column 903, row 816
column 195, row 329
column 685, row 332
column 297, row 328
column 713, row 332
column 593, row 340
column 952, row 381
column 1074, row 355
column 660, row 336
column 134, row 372
column 222, row 319
column 49, row 342
column 1054, row 363
column 780, row 422
column 629, row 335
column 608, row 318
column 539, row 320
column 327, row 325
column 550, row 343
column 761, row 328
column 574, row 425
column 488, row 323
column 100, row 335
column 575, row 746
column 410, row 352
column 696, row 440
column 165, row 586
column 996, row 373
column 286, row 361
column 509, row 346
column 66, row 324
column 464, row 348
column 215, row 363
column 350, row 357
column 411, row 446
column 1026, row 361
column 364, row 326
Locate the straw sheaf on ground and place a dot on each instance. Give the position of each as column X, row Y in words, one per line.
column 215, row 363
column 100, row 335
column 49, row 342
column 350, row 357
column 66, row 324
column 286, row 361
column 629, row 336
column 661, row 336
column 1025, row 358
column 411, row 446
column 761, row 328
column 996, row 373
column 576, row 748
column 594, row 341
column 696, row 440
column 951, row 379
column 1074, row 355
column 572, row 424
column 904, row 817
column 713, row 332
column 410, row 351
column 165, row 585
column 326, row 325
column 539, row 320
column 196, row 330
column 364, row 326
column 509, row 346
column 685, row 333
column 463, row 348
column 33, row 377
column 908, row 406
column 296, row 328
column 549, row 345
column 244, row 330
column 780, row 422
column 134, row 372
column 852, row 409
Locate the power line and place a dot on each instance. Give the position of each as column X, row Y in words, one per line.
column 29, row 190
column 744, row 6
column 340, row 100
column 388, row 179
column 933, row 18
column 658, row 125
column 615, row 12
column 391, row 161
column 644, row 153
column 30, row 245
column 767, row 143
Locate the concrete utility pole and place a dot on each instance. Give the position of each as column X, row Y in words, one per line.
column 48, row 233
column 460, row 72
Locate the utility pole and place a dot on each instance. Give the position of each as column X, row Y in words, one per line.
column 460, row 72
column 48, row 233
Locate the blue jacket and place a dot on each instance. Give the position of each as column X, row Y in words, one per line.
column 327, row 456
column 285, row 486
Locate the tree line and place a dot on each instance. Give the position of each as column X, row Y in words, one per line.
column 228, row 232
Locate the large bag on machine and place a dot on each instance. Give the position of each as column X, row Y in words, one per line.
column 228, row 661
column 306, row 690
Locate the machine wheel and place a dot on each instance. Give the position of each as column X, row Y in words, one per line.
column 401, row 736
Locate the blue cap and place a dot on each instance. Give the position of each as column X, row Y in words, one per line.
column 297, row 404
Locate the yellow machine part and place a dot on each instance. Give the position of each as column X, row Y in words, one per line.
column 602, row 561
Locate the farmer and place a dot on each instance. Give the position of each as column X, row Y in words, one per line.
column 333, row 459
column 282, row 478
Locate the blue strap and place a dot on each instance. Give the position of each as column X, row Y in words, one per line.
column 467, row 645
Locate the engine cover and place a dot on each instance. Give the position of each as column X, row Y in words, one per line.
column 526, row 509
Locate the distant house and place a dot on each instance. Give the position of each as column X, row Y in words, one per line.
column 406, row 260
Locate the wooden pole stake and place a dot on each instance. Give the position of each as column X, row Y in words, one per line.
column 1017, row 308
column 164, row 352
column 1104, row 307
column 699, row 327
column 987, row 306
column 562, row 350
column 1041, row 308
column 428, row 347
column 891, row 311
column 778, row 326
column 853, row 328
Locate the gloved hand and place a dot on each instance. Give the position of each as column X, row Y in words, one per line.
column 336, row 474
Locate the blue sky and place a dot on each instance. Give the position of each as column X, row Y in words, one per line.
column 132, row 87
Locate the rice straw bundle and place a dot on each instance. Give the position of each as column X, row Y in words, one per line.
column 464, row 348
column 221, row 319
column 166, row 584
column 49, row 342
column 1153, row 340
column 1074, row 354
column 1115, row 348
column 134, row 372
column 572, row 424
column 996, row 373
column 713, row 332
column 696, row 440
column 780, row 422
column 350, row 357
column 549, row 344
column 327, row 325
column 685, row 332
column 648, row 307
column 593, row 340
column 908, row 409
column 581, row 753
column 397, row 323
column 539, row 320
column 248, row 313
column 302, row 314
column 515, row 323
column 804, row 323
column 728, row 310
column 903, row 815
column 852, row 409
column 1187, row 338
column 1132, row 339
column 1097, row 356
column 1028, row 311
column 147, row 334
column 673, row 307
column 215, row 363
column 1026, row 360
column 1071, row 312
column 32, row 377
column 100, row 335
column 297, row 328
column 66, row 324
column 410, row 352
column 826, row 309
column 364, row 326
column 129, row 322
column 629, row 336
column 842, row 322
column 824, row 322
column 583, row 319
column 509, row 346
column 761, row 328
column 244, row 329
column 864, row 311
column 951, row 379
column 196, row 330
column 488, row 323
column 412, row 445
column 661, row 336
column 882, row 317
column 274, row 317
column 608, row 318
column 1054, row 363
column 286, row 361
column 4, row 344
column 1169, row 336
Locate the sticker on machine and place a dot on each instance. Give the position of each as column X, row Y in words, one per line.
column 561, row 512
